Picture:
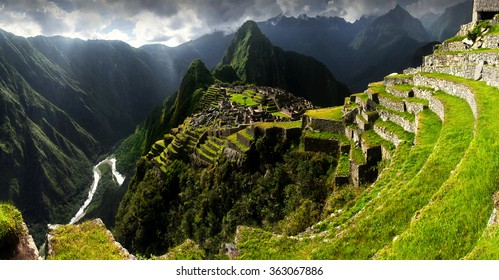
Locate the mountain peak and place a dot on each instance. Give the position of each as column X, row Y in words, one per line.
column 398, row 12
column 249, row 27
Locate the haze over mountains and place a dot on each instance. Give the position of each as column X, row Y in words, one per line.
column 354, row 52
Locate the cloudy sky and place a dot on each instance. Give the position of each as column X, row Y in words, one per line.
column 173, row 22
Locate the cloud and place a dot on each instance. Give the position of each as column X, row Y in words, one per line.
column 173, row 22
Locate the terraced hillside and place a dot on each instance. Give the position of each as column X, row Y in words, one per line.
column 431, row 134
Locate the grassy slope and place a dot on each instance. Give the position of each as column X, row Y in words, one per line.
column 306, row 249
column 450, row 226
column 10, row 220
column 87, row 241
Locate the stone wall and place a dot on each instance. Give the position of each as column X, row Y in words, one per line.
column 392, row 81
column 387, row 135
column 460, row 59
column 404, row 123
column 244, row 140
column 414, row 107
column 234, row 154
column 293, row 134
column 399, row 93
column 362, row 174
column 393, row 105
column 362, row 123
column 328, row 146
column 465, row 71
column 437, row 107
column 452, row 88
column 452, row 46
column 331, row 126
column 490, row 74
column 491, row 42
column 423, row 93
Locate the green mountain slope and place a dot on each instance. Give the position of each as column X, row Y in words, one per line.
column 64, row 102
column 256, row 60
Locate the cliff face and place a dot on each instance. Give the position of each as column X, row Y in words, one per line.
column 15, row 241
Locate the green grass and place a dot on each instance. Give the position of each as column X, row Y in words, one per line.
column 455, row 39
column 406, row 115
column 418, row 100
column 403, row 87
column 487, row 247
column 481, row 50
column 333, row 113
column 396, row 129
column 257, row 244
column 87, row 241
column 285, row 125
column 363, row 239
column 450, row 227
column 233, row 139
column 372, row 140
column 363, row 96
column 10, row 220
column 280, row 114
column 357, row 155
column 343, row 168
column 185, row 251
column 400, row 76
column 243, row 100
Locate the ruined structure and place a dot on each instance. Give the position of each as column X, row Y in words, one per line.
column 485, row 9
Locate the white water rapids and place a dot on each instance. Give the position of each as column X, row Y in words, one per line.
column 93, row 188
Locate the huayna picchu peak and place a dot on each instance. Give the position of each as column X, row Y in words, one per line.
column 247, row 160
column 255, row 60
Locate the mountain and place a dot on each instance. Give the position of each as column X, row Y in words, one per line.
column 171, row 63
column 385, row 46
column 428, row 20
column 323, row 38
column 64, row 103
column 255, row 60
column 389, row 28
column 356, row 53
column 448, row 24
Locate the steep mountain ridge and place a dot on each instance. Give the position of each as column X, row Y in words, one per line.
column 256, row 60
column 65, row 102
column 448, row 24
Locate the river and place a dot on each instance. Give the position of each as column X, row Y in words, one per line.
column 95, row 184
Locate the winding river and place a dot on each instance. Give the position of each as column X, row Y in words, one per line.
column 95, row 184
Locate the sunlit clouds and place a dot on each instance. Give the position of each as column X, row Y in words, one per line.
column 172, row 22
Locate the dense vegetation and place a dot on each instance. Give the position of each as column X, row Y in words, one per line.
column 282, row 189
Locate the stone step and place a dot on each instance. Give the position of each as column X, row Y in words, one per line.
column 392, row 102
column 406, row 120
column 398, row 79
column 208, row 151
column 392, row 132
column 401, row 91
column 459, row 59
column 452, row 86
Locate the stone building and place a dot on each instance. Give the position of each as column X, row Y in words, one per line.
column 485, row 9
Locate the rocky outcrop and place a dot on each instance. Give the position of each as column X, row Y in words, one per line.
column 19, row 246
column 51, row 252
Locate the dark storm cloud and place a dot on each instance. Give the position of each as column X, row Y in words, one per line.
column 175, row 21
